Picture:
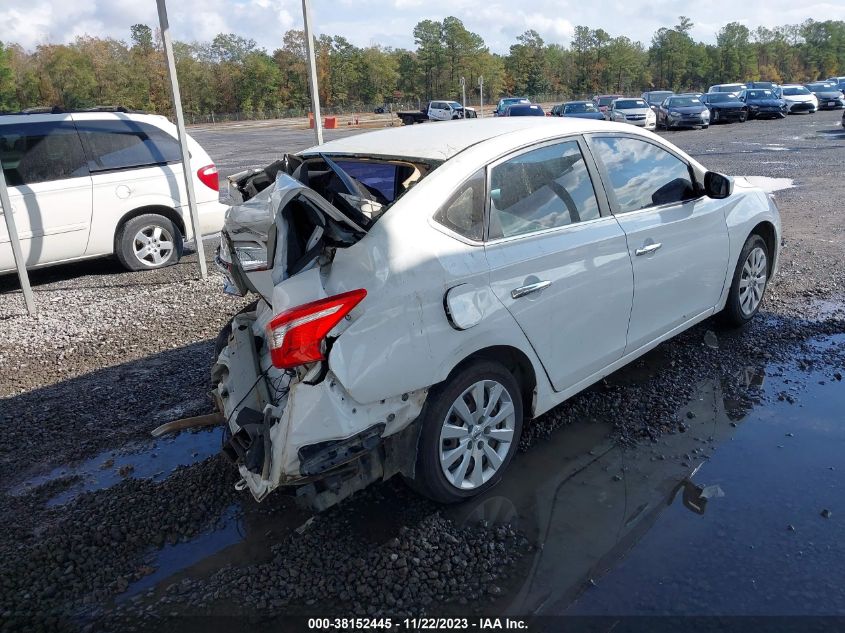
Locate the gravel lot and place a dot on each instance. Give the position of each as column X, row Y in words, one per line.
column 113, row 354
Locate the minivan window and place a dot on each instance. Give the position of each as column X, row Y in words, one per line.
column 124, row 144
column 541, row 189
column 642, row 174
column 463, row 213
column 40, row 152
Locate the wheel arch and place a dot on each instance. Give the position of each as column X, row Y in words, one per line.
column 766, row 230
column 516, row 362
column 157, row 209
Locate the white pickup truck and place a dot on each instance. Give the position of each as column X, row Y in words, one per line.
column 437, row 111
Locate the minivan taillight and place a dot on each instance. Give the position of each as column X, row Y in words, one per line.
column 208, row 177
column 296, row 335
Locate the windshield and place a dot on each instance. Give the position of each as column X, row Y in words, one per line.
column 525, row 110
column 795, row 90
column 629, row 104
column 658, row 97
column 683, row 102
column 605, row 101
column 760, row 94
column 455, row 105
column 578, row 108
column 721, row 97
column 728, row 88
column 820, row 87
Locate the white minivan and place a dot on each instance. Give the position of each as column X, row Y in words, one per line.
column 100, row 183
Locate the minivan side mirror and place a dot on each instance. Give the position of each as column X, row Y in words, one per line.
column 717, row 185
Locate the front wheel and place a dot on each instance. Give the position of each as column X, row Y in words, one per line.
column 749, row 282
column 470, row 429
column 743, row 117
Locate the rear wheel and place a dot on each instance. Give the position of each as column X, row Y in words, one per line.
column 147, row 242
column 470, row 429
column 749, row 282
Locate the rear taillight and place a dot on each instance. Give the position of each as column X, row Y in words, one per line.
column 208, row 177
column 295, row 336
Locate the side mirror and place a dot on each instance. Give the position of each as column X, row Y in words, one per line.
column 717, row 185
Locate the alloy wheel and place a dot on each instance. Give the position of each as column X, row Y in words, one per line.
column 476, row 434
column 752, row 282
column 152, row 245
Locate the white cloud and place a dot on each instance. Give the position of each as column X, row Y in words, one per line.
column 365, row 22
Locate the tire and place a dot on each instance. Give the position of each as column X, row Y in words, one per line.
column 743, row 117
column 704, row 127
column 744, row 302
column 147, row 242
column 470, row 444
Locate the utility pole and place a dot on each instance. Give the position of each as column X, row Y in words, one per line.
column 464, row 95
column 183, row 136
column 23, row 276
column 481, row 96
column 312, row 71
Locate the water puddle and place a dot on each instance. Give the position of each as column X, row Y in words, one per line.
column 154, row 460
column 659, row 527
column 770, row 185
column 171, row 559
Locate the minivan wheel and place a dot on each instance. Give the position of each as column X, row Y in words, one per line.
column 147, row 242
column 749, row 282
column 470, row 430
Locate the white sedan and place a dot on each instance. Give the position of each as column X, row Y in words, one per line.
column 423, row 291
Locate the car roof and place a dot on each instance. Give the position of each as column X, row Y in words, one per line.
column 441, row 141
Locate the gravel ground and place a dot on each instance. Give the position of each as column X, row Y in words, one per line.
column 112, row 354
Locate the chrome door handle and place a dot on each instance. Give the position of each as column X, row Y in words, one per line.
column 516, row 293
column 645, row 250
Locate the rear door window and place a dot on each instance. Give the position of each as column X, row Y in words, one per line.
column 124, row 144
column 41, row 152
column 541, row 189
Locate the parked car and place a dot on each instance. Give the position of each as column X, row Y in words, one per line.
column 828, row 95
column 725, row 107
column 765, row 85
column 436, row 111
column 98, row 183
column 581, row 110
column 511, row 247
column 734, row 88
column 799, row 99
column 763, row 103
column 839, row 81
column 603, row 103
column 523, row 109
column 508, row 101
column 682, row 111
column 655, row 97
column 634, row 111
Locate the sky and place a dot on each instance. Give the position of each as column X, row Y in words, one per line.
column 391, row 22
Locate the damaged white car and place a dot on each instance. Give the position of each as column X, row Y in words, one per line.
column 422, row 291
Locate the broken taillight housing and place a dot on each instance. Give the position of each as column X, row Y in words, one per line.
column 208, row 177
column 295, row 336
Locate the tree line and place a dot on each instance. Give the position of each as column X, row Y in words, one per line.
column 232, row 74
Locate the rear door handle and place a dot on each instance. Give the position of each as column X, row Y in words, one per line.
column 645, row 250
column 516, row 293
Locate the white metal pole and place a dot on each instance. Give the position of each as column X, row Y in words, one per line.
column 312, row 71
column 183, row 137
column 464, row 95
column 481, row 96
column 16, row 245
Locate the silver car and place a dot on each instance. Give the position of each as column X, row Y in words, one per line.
column 634, row 111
